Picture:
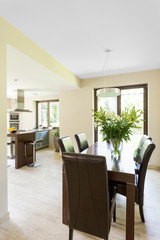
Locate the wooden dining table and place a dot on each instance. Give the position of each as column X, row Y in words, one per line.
column 122, row 170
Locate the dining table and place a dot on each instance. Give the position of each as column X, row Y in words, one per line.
column 122, row 170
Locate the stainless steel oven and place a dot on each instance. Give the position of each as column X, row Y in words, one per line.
column 14, row 124
column 13, row 117
column 11, row 140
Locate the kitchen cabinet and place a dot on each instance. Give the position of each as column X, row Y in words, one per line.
column 44, row 134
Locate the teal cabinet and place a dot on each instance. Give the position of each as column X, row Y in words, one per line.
column 42, row 135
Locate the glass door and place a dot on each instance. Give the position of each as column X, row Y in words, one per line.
column 135, row 95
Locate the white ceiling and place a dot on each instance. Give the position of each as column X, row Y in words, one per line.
column 27, row 74
column 76, row 32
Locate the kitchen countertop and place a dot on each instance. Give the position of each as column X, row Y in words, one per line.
column 26, row 132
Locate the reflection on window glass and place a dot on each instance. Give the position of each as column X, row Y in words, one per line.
column 54, row 114
column 42, row 114
column 133, row 98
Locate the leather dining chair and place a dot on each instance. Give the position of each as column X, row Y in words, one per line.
column 141, row 142
column 66, row 145
column 81, row 141
column 91, row 201
column 140, row 171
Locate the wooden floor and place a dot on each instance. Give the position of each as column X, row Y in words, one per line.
column 35, row 205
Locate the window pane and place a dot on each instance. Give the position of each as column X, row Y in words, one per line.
column 108, row 104
column 133, row 98
column 54, row 114
column 43, row 114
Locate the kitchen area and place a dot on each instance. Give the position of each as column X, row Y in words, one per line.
column 30, row 129
column 32, row 102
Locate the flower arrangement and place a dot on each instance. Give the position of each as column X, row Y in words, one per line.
column 117, row 128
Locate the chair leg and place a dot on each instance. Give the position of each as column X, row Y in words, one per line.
column 141, row 213
column 70, row 233
column 114, row 213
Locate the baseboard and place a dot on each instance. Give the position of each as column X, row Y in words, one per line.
column 4, row 218
column 154, row 168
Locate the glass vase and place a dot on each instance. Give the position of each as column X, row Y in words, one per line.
column 115, row 149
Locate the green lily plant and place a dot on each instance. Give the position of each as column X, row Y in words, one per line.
column 117, row 127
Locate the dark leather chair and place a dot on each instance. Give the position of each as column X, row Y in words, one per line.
column 137, row 151
column 91, row 201
column 81, row 141
column 140, row 171
column 66, row 145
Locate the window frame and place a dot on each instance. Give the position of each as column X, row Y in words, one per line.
column 45, row 101
column 145, row 102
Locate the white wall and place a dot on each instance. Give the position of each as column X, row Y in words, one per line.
column 27, row 119
column 76, row 105
column 3, row 136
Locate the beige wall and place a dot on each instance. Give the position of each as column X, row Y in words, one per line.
column 10, row 35
column 3, row 127
column 76, row 105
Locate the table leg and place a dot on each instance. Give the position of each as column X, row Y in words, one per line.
column 16, row 154
column 64, row 199
column 130, row 211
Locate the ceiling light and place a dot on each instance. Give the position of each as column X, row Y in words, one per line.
column 107, row 92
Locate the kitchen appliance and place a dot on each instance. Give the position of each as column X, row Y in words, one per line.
column 20, row 101
column 13, row 117
column 14, row 124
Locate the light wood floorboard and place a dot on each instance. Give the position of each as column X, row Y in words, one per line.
column 35, row 204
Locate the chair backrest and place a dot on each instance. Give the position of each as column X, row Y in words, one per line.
column 145, row 154
column 137, row 157
column 66, row 145
column 142, row 140
column 81, row 141
column 87, row 185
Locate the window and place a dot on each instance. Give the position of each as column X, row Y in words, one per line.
column 108, row 104
column 43, row 114
column 54, row 114
column 48, row 113
column 130, row 96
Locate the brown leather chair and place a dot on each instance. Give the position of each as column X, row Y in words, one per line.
column 140, row 171
column 81, row 141
column 66, row 145
column 91, row 201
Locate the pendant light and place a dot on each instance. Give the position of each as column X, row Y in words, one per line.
column 107, row 92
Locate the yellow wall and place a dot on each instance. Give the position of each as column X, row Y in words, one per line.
column 10, row 35
column 76, row 105
column 19, row 41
